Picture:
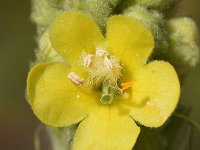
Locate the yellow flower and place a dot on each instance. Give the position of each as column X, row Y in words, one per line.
column 105, row 84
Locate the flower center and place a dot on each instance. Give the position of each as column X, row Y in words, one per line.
column 104, row 72
column 102, row 68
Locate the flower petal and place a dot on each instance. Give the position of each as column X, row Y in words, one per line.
column 106, row 129
column 54, row 99
column 155, row 93
column 129, row 40
column 72, row 33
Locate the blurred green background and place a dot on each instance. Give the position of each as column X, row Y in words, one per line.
column 17, row 44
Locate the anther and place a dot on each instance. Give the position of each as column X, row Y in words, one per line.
column 108, row 63
column 75, row 78
column 101, row 52
column 127, row 85
column 87, row 60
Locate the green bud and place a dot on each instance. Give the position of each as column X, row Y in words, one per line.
column 184, row 44
column 155, row 4
column 61, row 138
column 43, row 13
column 56, row 3
column 114, row 2
column 46, row 52
column 159, row 4
column 153, row 20
column 99, row 10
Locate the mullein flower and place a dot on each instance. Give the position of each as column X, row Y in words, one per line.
column 105, row 83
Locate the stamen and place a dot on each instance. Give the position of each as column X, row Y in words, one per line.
column 127, row 85
column 87, row 60
column 75, row 78
column 108, row 63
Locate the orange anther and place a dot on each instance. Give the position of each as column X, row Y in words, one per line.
column 127, row 85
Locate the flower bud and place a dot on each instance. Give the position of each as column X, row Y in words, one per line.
column 46, row 52
column 43, row 13
column 56, row 3
column 99, row 10
column 184, row 44
column 157, row 4
column 114, row 2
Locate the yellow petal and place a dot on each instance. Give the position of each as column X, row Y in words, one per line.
column 155, row 93
column 106, row 129
column 72, row 33
column 53, row 97
column 129, row 40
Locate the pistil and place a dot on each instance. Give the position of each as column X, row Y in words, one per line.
column 108, row 94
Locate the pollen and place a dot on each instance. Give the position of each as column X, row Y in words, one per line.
column 75, row 78
column 87, row 60
column 101, row 52
column 108, row 63
column 127, row 85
